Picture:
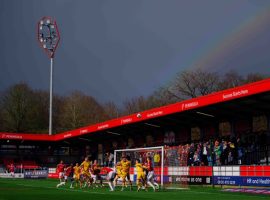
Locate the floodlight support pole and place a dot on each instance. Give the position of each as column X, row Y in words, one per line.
column 51, row 92
column 48, row 37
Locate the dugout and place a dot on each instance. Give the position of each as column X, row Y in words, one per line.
column 240, row 112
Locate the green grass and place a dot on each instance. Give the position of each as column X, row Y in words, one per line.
column 21, row 189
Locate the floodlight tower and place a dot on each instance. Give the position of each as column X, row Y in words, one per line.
column 48, row 38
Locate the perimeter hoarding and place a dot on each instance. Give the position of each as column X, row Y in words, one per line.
column 36, row 174
column 242, row 181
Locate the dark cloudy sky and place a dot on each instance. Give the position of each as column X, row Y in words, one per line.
column 118, row 49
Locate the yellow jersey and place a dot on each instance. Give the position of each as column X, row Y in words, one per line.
column 86, row 165
column 139, row 168
column 76, row 170
column 125, row 166
column 118, row 169
column 156, row 158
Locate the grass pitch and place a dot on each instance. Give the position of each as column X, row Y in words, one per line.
column 22, row 189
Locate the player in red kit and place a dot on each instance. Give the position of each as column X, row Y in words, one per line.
column 151, row 176
column 12, row 170
column 110, row 175
column 60, row 169
column 69, row 172
column 95, row 171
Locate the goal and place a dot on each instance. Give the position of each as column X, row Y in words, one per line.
column 170, row 167
column 157, row 154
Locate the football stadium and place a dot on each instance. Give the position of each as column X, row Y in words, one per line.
column 177, row 171
column 146, row 100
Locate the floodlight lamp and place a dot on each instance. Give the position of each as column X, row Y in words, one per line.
column 48, row 35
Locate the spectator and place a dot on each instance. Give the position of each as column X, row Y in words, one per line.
column 225, row 153
column 209, row 155
column 240, row 151
column 111, row 157
column 234, row 148
column 217, row 150
column 196, row 158
column 191, row 154
column 204, row 154
column 107, row 159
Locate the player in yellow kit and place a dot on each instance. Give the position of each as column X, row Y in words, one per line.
column 125, row 172
column 140, row 174
column 118, row 169
column 85, row 170
column 77, row 171
column 86, row 166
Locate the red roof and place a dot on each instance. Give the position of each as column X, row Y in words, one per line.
column 214, row 98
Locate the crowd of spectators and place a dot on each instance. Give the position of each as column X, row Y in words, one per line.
column 213, row 153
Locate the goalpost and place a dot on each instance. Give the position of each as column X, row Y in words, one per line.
column 170, row 164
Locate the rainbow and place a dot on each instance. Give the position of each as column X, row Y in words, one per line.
column 221, row 50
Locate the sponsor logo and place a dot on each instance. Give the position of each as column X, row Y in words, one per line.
column 103, row 126
column 12, row 136
column 125, row 121
column 84, row 131
column 36, row 174
column 154, row 114
column 234, row 94
column 67, row 135
column 8, row 175
column 245, row 181
column 258, row 181
column 139, row 115
column 193, row 180
column 189, row 105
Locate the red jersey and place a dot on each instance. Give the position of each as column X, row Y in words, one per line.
column 106, row 170
column 60, row 167
column 149, row 165
column 69, row 171
column 11, row 168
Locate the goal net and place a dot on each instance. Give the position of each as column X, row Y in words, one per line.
column 170, row 165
